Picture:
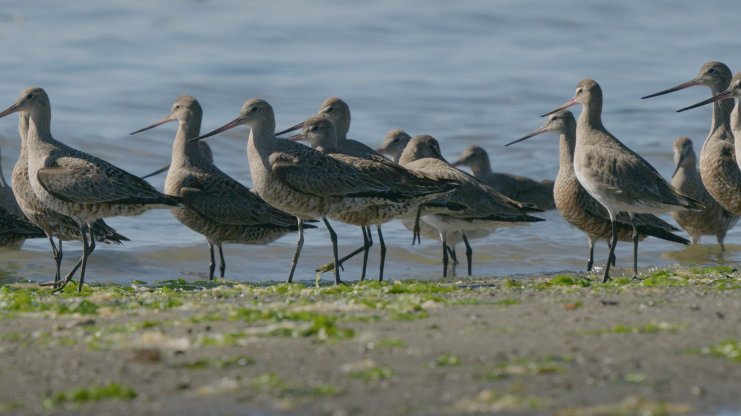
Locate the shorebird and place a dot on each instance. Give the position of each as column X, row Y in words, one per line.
column 394, row 143
column 54, row 224
column 214, row 204
column 14, row 227
column 582, row 211
column 614, row 175
column 300, row 180
column 519, row 188
column 714, row 219
column 718, row 165
column 338, row 112
column 485, row 208
column 414, row 188
column 75, row 183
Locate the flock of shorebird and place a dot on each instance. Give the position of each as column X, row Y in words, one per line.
column 602, row 188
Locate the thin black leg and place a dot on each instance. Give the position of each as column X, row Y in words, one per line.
column 415, row 234
column 451, row 252
column 212, row 265
column 333, row 237
column 88, row 247
column 445, row 255
column 299, row 246
column 222, row 265
column 635, row 247
column 469, row 253
column 367, row 243
column 590, row 263
column 383, row 252
column 57, row 259
column 612, row 252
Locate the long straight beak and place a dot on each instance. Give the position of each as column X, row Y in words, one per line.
column 535, row 133
column 230, row 125
column 160, row 170
column 567, row 105
column 723, row 95
column 296, row 137
column 163, row 121
column 12, row 109
column 290, row 129
column 677, row 88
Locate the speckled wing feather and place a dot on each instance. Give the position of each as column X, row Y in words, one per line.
column 482, row 201
column 235, row 205
column 629, row 177
column 79, row 180
column 296, row 171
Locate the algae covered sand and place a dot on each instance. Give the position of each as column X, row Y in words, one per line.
column 564, row 345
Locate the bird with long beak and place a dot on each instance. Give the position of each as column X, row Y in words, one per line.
column 617, row 177
column 718, row 167
column 414, row 189
column 519, row 188
column 215, row 205
column 580, row 209
column 300, row 180
column 78, row 184
column 714, row 219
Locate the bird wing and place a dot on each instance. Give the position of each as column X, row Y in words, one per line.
column 233, row 204
column 314, row 173
column 74, row 179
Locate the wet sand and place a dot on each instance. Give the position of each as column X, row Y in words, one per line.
column 561, row 345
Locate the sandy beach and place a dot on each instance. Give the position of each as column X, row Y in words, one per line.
column 563, row 345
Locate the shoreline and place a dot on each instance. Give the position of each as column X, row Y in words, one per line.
column 669, row 344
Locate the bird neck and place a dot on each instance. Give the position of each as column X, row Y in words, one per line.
column 591, row 115
column 184, row 151
column 566, row 145
column 721, row 114
column 481, row 168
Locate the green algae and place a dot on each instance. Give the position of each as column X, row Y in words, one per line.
column 651, row 327
column 373, row 374
column 112, row 391
column 445, row 360
column 526, row 366
column 273, row 385
column 729, row 349
column 390, row 343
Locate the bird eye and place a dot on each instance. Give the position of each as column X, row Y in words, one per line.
column 29, row 96
column 253, row 110
column 711, row 70
column 329, row 109
column 579, row 90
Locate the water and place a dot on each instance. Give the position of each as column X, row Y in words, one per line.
column 467, row 72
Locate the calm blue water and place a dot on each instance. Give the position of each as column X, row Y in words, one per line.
column 466, row 72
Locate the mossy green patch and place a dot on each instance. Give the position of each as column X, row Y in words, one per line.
column 373, row 374
column 91, row 394
column 508, row 302
column 273, row 385
column 716, row 270
column 729, row 349
column 445, row 360
column 527, row 366
column 564, row 280
column 390, row 343
column 637, row 329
